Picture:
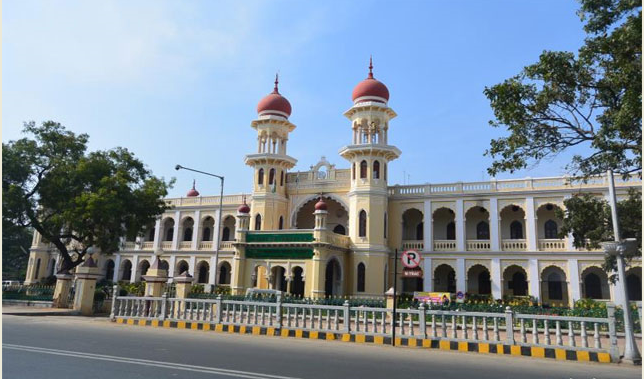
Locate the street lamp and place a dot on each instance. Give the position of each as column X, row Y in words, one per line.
column 221, row 209
column 618, row 248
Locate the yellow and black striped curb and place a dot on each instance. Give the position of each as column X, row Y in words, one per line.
column 428, row 343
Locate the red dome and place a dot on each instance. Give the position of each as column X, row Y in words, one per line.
column 193, row 192
column 274, row 104
column 244, row 208
column 370, row 87
column 320, row 205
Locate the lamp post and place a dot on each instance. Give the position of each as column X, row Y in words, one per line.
column 618, row 249
column 221, row 209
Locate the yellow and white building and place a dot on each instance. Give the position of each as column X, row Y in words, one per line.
column 493, row 237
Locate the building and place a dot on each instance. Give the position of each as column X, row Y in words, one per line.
column 333, row 232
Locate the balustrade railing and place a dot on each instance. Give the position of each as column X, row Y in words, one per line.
column 444, row 245
column 205, row 245
column 226, row 245
column 413, row 244
column 552, row 245
column 478, row 245
column 514, row 245
column 166, row 245
column 148, row 245
column 184, row 245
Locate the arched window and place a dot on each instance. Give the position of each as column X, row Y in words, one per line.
column 37, row 268
column 550, row 228
column 127, row 270
column 482, row 231
column 282, row 178
column 225, row 235
column 151, row 234
column 260, row 177
column 516, row 230
column 363, row 170
column 593, row 286
column 339, row 229
column 109, row 271
column 362, row 226
column 187, row 234
column 224, row 273
column 258, row 222
column 182, row 267
column 353, row 171
column 281, row 223
column 419, row 231
column 361, row 277
column 451, row 231
column 203, row 273
column 554, row 287
column 271, row 176
column 206, row 234
column 376, row 170
column 169, row 234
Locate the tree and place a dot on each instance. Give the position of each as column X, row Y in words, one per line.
column 591, row 100
column 589, row 220
column 74, row 198
column 15, row 250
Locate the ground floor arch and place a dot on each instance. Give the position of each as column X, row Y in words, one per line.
column 554, row 286
column 333, row 278
column 478, row 280
column 515, row 281
column 203, row 271
column 634, row 283
column 445, row 279
column 126, row 270
column 297, row 281
column 278, row 278
column 594, row 284
column 224, row 273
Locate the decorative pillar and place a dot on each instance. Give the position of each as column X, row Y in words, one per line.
column 495, row 278
column 155, row 278
column 86, row 276
column 134, row 277
column 211, row 273
column 317, row 282
column 534, row 281
column 574, row 290
column 193, row 264
column 184, row 285
column 531, row 224
column 195, row 230
column 460, row 275
column 428, row 240
column 175, row 232
column 61, row 292
column 495, row 236
column 171, row 268
column 460, row 226
column 428, row 275
column 157, row 233
column 319, row 232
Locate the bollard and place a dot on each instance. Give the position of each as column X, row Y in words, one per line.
column 612, row 332
column 115, row 293
column 509, row 325
column 422, row 322
column 346, row 316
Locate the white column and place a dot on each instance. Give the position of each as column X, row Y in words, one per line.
column 117, row 266
column 460, row 226
column 157, row 233
column 193, row 263
column 175, row 234
column 534, row 285
column 574, row 288
column 173, row 262
column 531, row 224
column 217, row 229
column 428, row 244
column 211, row 273
column 135, row 268
column 428, row 275
column 495, row 278
column 195, row 230
column 460, row 275
column 495, row 236
column 616, row 294
column 570, row 240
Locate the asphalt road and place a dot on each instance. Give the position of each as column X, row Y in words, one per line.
column 70, row 347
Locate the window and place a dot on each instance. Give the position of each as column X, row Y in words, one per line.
column 282, row 178
column 385, row 170
column 187, row 234
column 281, row 223
column 260, row 177
column 362, row 227
column 516, row 230
column 551, row 229
column 363, row 170
column 151, row 234
column 482, row 231
column 419, row 231
column 451, row 231
column 169, row 234
column 225, row 235
column 206, row 234
column 271, row 176
column 258, row 222
column 361, row 277
column 37, row 268
column 555, row 292
column 376, row 170
column 339, row 229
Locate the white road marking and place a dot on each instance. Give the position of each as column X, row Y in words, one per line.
column 146, row 362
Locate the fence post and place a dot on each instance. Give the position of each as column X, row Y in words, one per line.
column 612, row 332
column 164, row 301
column 278, row 311
column 218, row 312
column 115, row 292
column 346, row 316
column 422, row 323
column 509, row 325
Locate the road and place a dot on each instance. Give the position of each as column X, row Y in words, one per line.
column 52, row 347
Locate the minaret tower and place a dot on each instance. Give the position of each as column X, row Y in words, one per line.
column 369, row 154
column 269, row 206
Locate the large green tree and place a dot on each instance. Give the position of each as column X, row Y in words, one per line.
column 74, row 198
column 589, row 103
column 15, row 250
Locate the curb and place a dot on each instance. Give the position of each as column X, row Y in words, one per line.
column 427, row 343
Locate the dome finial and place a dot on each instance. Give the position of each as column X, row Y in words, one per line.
column 193, row 183
column 276, row 83
column 370, row 67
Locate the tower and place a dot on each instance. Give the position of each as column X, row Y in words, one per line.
column 269, row 206
column 369, row 154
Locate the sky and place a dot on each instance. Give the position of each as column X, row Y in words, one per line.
column 179, row 82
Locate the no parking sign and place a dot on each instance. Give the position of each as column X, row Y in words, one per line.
column 410, row 259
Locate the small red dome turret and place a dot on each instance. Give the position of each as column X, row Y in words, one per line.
column 320, row 205
column 370, row 89
column 274, row 104
column 193, row 192
column 244, row 208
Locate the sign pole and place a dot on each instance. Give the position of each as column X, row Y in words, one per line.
column 393, row 318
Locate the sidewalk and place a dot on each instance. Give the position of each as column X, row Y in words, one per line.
column 17, row 310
